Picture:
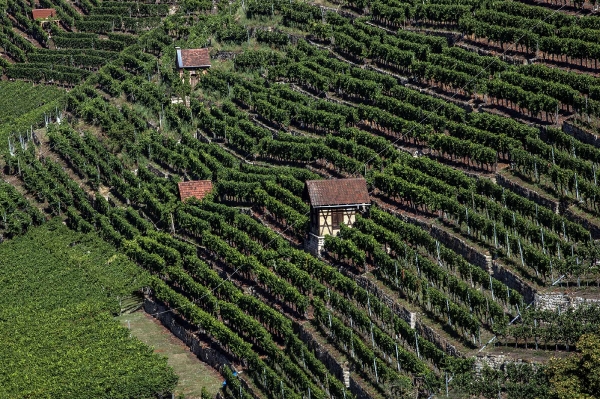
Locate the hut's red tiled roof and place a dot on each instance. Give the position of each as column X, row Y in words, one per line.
column 193, row 58
column 43, row 13
column 197, row 189
column 337, row 192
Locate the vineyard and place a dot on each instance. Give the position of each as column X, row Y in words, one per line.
column 24, row 105
column 41, row 318
column 473, row 123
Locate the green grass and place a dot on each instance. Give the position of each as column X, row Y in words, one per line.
column 193, row 373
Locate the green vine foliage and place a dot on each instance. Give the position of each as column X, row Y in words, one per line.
column 298, row 105
column 59, row 337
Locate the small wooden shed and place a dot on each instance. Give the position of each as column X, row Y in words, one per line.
column 332, row 203
column 43, row 15
column 194, row 189
column 196, row 61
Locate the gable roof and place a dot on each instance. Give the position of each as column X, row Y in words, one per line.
column 197, row 189
column 337, row 192
column 193, row 58
column 43, row 13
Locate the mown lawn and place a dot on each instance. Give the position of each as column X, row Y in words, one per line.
column 193, row 373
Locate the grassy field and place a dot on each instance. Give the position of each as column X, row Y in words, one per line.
column 193, row 373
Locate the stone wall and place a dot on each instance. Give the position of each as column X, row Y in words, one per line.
column 581, row 135
column 314, row 244
column 594, row 229
column 555, row 301
column 225, row 55
column 333, row 365
column 357, row 390
column 205, row 352
column 434, row 337
column 501, row 273
column 411, row 318
column 399, row 310
column 527, row 193
column 475, row 257
column 496, row 362
column 180, row 328
column 471, row 254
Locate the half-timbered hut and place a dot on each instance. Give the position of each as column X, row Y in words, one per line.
column 332, row 203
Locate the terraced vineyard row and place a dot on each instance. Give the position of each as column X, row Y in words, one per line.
column 84, row 37
column 446, row 261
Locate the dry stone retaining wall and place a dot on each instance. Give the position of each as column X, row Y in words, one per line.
column 475, row 257
column 555, row 301
column 472, row 255
column 433, row 336
column 411, row 318
column 527, row 193
column 463, row 249
column 513, row 281
column 594, row 229
column 333, row 365
column 400, row 311
column 211, row 356
column 175, row 324
column 581, row 135
column 496, row 362
column 548, row 203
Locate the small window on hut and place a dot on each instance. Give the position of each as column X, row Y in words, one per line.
column 337, row 218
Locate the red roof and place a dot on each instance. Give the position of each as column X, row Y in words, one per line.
column 193, row 58
column 337, row 192
column 197, row 189
column 43, row 13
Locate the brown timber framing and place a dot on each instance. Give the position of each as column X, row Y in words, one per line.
column 327, row 219
column 332, row 203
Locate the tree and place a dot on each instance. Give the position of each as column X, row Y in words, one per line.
column 577, row 376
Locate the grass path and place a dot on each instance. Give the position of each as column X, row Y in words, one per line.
column 193, row 373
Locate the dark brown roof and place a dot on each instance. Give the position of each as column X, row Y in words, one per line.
column 197, row 189
column 43, row 13
column 337, row 192
column 193, row 58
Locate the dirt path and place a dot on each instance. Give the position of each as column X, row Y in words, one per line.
column 568, row 9
column 193, row 373
column 27, row 37
column 76, row 8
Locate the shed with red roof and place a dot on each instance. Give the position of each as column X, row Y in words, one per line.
column 195, row 61
column 194, row 189
column 40, row 14
column 332, row 203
